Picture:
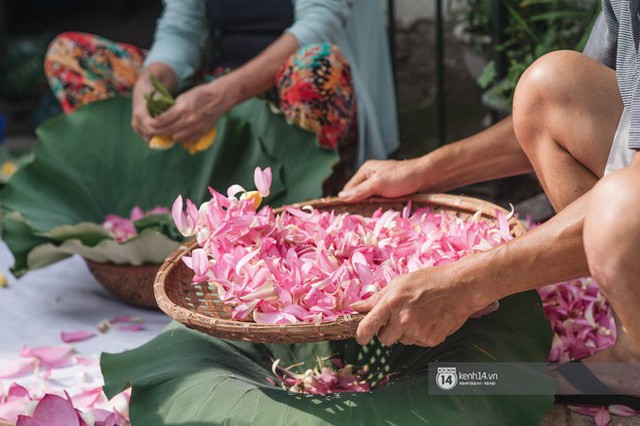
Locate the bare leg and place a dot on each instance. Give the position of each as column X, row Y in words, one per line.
column 565, row 112
column 612, row 244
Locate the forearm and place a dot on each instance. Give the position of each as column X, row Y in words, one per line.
column 552, row 252
column 258, row 75
column 490, row 154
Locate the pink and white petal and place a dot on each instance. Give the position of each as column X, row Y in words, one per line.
column 89, row 398
column 28, row 421
column 18, row 368
column 622, row 411
column 76, row 336
column 262, row 179
column 15, row 403
column 85, row 360
column 105, row 418
column 50, row 356
column 234, row 190
column 53, row 410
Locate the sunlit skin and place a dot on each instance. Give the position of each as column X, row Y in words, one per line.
column 562, row 128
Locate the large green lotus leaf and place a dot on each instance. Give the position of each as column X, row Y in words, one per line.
column 149, row 246
column 21, row 240
column 186, row 377
column 88, row 233
column 90, row 163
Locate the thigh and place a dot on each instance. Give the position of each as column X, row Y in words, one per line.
column 577, row 101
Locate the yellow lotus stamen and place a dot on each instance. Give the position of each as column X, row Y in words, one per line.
column 255, row 197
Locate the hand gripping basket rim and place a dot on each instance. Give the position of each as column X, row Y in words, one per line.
column 200, row 309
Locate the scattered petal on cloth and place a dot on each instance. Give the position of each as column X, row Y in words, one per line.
column 53, row 410
column 50, row 409
column 18, row 368
column 76, row 336
column 50, row 356
column 46, row 372
column 13, row 403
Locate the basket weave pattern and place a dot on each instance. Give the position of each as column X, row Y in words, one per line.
column 197, row 305
column 132, row 284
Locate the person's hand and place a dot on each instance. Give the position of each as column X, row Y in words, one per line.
column 388, row 178
column 141, row 120
column 420, row 308
column 140, row 117
column 194, row 113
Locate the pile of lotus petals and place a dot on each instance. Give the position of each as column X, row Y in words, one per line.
column 323, row 379
column 123, row 228
column 581, row 319
column 305, row 265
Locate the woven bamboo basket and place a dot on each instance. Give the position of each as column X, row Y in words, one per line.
column 197, row 305
column 133, row 284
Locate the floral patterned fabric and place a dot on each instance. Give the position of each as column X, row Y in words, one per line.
column 316, row 92
column 314, row 86
column 84, row 68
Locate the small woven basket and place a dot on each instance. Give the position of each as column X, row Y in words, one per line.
column 197, row 305
column 133, row 284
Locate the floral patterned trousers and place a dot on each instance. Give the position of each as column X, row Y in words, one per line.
column 314, row 87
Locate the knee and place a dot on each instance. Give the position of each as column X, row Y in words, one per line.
column 316, row 92
column 321, row 66
column 612, row 226
column 542, row 87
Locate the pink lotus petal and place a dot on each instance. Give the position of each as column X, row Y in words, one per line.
column 86, row 361
column 105, row 418
column 602, row 417
column 89, row 398
column 53, row 410
column 29, row 421
column 262, row 179
column 234, row 190
column 14, row 403
column 622, row 411
column 50, row 356
column 319, row 262
column 185, row 222
column 18, row 368
column 76, row 336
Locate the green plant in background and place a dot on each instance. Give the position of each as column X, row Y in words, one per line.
column 22, row 70
column 533, row 28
